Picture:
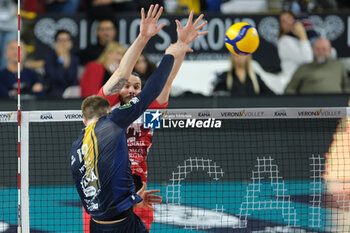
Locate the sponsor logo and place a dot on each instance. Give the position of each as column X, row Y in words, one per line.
column 151, row 119
column 46, row 116
column 319, row 112
column 6, row 116
column 74, row 116
column 280, row 113
column 243, row 113
column 204, row 114
column 134, row 100
column 128, row 105
column 171, row 115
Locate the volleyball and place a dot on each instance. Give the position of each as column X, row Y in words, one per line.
column 242, row 39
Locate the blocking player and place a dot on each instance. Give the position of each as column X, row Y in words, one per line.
column 140, row 139
column 99, row 157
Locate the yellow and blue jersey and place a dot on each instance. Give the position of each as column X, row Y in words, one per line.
column 99, row 157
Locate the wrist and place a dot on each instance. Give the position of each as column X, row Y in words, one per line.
column 180, row 42
column 143, row 38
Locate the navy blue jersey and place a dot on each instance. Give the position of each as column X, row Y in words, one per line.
column 99, row 157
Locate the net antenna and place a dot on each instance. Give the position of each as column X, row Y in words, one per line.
column 19, row 111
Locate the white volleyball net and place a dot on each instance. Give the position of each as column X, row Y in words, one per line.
column 219, row 170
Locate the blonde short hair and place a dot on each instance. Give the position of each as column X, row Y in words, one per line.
column 94, row 106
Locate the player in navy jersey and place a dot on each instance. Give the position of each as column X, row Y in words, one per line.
column 99, row 157
column 139, row 140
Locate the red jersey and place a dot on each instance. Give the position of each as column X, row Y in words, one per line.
column 139, row 139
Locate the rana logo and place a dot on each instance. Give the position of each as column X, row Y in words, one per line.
column 280, row 113
column 46, row 116
column 204, row 114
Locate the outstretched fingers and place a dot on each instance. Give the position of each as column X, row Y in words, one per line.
column 201, row 25
column 190, row 18
column 203, row 33
column 160, row 26
column 148, row 192
column 142, row 13
column 159, row 13
column 150, row 10
column 198, row 19
column 178, row 24
column 154, row 12
column 154, row 199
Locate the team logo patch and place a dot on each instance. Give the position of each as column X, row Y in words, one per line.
column 151, row 119
column 128, row 105
column 134, row 100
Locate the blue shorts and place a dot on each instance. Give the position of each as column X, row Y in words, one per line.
column 132, row 224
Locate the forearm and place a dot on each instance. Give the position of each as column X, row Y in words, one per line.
column 121, row 75
column 154, row 85
column 157, row 80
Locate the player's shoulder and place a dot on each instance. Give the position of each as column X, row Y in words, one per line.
column 79, row 140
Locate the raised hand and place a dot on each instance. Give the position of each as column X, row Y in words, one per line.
column 147, row 197
column 190, row 31
column 299, row 31
column 148, row 26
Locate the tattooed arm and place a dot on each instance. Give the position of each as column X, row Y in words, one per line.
column 148, row 28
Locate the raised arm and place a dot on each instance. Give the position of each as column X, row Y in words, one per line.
column 128, row 113
column 148, row 29
column 186, row 35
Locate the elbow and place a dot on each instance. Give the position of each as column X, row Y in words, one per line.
column 162, row 100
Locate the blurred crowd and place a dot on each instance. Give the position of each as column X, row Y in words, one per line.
column 309, row 63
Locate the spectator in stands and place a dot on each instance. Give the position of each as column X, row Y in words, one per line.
column 100, row 9
column 30, row 80
column 148, row 3
column 61, row 65
column 326, row 5
column 62, row 6
column 323, row 75
column 3, row 90
column 96, row 73
column 144, row 67
column 8, row 26
column 240, row 80
column 106, row 32
column 294, row 47
column 343, row 4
